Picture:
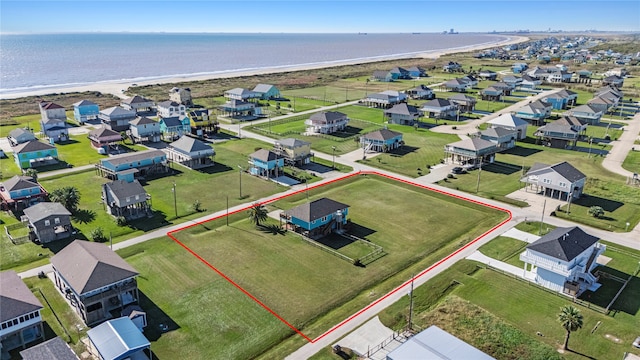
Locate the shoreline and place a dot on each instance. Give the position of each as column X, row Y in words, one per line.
column 118, row 87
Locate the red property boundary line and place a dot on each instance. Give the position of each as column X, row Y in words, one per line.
column 402, row 286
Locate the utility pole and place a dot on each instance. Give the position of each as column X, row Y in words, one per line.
column 227, row 217
column 240, row 177
column 409, row 326
column 478, row 182
column 569, row 204
column 542, row 218
column 334, row 157
column 175, row 203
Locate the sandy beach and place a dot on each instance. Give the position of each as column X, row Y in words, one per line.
column 118, row 87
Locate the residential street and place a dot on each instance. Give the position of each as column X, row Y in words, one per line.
column 612, row 162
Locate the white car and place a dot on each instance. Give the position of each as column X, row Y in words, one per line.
column 636, row 343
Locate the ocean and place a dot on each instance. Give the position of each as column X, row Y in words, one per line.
column 30, row 62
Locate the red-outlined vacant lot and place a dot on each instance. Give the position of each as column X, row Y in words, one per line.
column 399, row 288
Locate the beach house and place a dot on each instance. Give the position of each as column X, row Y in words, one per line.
column 34, row 153
column 191, row 152
column 385, row 99
column 174, row 127
column 241, row 94
column 562, row 99
column 53, row 121
column 472, row 152
column 19, row 192
column 294, row 151
column 491, row 94
column 94, row 279
column 563, row 260
column 510, row 122
column 458, row 85
column 382, row 75
column 85, row 110
column 439, row 109
column 266, row 163
column 127, row 166
column 503, row 138
column 557, row 134
column 19, row 136
column 20, row 318
column 116, row 118
column 326, row 122
column 417, row 72
column 421, row 92
column 586, row 113
column 181, row 96
column 140, row 105
column 239, row 110
column 144, row 129
column 435, row 344
column 317, row 218
column 53, row 349
column 561, row 180
column 267, row 91
column 104, row 138
column 48, row 221
column 402, row 114
column 126, row 199
column 200, row 119
column 383, row 140
column 512, row 81
column 171, row 108
column 535, row 112
column 613, row 80
column 486, row 74
column 463, row 102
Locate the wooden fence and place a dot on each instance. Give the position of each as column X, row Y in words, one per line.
column 16, row 240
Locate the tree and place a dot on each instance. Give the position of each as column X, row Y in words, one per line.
column 33, row 173
column 571, row 320
column 68, row 196
column 258, row 213
column 596, row 211
column 97, row 235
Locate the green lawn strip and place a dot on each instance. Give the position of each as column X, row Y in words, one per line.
column 297, row 299
column 503, row 248
column 632, row 161
column 199, row 307
column 8, row 167
column 77, row 151
column 58, row 317
column 422, row 149
column 532, row 309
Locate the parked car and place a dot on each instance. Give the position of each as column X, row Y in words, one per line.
column 458, row 170
column 636, row 343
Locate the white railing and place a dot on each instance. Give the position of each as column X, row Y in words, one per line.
column 545, row 263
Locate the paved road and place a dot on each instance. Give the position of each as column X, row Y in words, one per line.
column 621, row 147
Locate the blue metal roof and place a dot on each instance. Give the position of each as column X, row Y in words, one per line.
column 117, row 339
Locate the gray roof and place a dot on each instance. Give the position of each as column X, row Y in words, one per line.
column 31, row 146
column 498, row 132
column 54, row 349
column 569, row 121
column 316, row 209
column 462, row 97
column 292, row 142
column 15, row 297
column 264, row 155
column 402, row 109
column 84, row 103
column 102, row 132
column 586, row 108
column 382, row 134
column 168, row 103
column 171, row 121
column 455, row 82
column 263, row 88
column 474, row 144
column 507, row 120
column 15, row 133
column 187, row 144
column 133, row 157
column 87, row 266
column 326, row 116
column 564, row 243
column 556, row 127
column 122, row 189
column 135, row 100
column 116, row 111
column 563, row 169
column 43, row 210
column 437, row 103
column 19, row 182
column 142, row 121
column 380, row 73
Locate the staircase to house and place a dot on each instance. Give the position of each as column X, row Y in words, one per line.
column 592, row 258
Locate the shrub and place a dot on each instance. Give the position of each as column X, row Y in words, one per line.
column 97, row 235
column 121, row 221
column 596, row 211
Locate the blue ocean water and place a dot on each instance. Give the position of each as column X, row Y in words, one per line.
column 34, row 61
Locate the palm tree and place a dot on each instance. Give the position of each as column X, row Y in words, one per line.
column 571, row 320
column 258, row 213
column 68, row 196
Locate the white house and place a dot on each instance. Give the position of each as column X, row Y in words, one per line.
column 20, row 320
column 563, row 260
column 326, row 122
column 510, row 122
column 171, row 108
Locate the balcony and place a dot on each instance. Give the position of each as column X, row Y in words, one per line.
column 547, row 264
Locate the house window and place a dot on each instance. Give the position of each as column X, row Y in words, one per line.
column 563, row 184
column 47, row 222
column 4, row 325
column 56, row 221
column 546, row 181
column 137, row 197
column 128, row 198
column 324, row 218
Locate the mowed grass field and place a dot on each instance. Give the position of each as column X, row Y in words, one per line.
column 308, row 287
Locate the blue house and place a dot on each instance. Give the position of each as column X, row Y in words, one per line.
column 317, row 218
column 382, row 140
column 381, row 75
column 118, row 339
column 416, row 72
column 562, row 99
column 20, row 192
column 174, row 127
column 267, row 91
column 34, row 153
column 266, row 163
column 399, row 73
column 517, row 68
column 85, row 110
column 125, row 166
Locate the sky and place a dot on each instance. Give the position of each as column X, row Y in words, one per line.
column 315, row 16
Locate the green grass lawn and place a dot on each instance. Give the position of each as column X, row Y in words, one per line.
column 504, row 248
column 423, row 148
column 78, row 151
column 264, row 262
column 632, row 161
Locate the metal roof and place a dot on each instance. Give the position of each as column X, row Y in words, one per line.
column 117, row 339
